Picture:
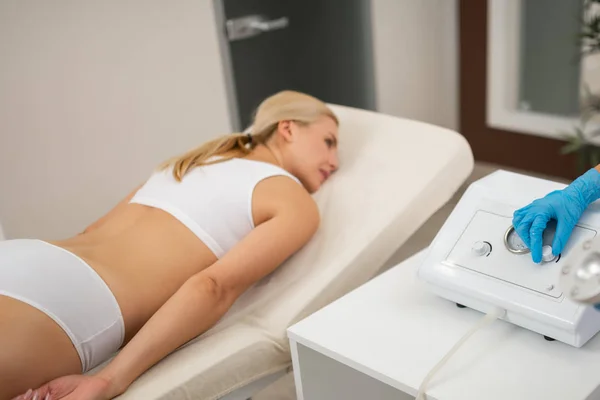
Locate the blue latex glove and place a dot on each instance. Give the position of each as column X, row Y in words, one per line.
column 565, row 206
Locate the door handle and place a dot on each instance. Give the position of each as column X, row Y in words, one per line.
column 252, row 25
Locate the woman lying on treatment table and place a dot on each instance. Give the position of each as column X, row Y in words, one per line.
column 168, row 261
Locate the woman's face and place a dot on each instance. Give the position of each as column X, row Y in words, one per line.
column 310, row 152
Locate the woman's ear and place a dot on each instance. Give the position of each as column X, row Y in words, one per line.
column 284, row 128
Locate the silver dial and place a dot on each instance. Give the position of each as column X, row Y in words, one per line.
column 513, row 242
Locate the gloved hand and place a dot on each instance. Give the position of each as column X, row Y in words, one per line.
column 565, row 206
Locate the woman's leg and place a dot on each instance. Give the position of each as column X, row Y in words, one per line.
column 33, row 349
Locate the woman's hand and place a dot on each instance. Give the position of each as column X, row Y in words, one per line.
column 71, row 387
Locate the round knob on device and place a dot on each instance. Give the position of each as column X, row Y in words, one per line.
column 481, row 248
column 547, row 255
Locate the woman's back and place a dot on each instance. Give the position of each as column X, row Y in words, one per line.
column 169, row 230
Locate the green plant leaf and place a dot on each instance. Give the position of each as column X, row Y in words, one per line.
column 578, row 141
column 590, row 104
column 568, row 136
column 570, row 148
column 594, row 133
column 590, row 31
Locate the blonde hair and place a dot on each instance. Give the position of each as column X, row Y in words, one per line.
column 283, row 106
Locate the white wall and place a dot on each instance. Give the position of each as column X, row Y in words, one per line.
column 416, row 59
column 93, row 94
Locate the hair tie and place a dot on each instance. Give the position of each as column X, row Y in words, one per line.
column 249, row 138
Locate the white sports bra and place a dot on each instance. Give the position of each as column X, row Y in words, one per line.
column 214, row 201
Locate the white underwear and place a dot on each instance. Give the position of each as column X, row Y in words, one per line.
column 66, row 289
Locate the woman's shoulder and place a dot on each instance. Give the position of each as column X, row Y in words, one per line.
column 280, row 195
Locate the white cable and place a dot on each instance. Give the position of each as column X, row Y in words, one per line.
column 483, row 322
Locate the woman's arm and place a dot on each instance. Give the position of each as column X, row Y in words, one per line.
column 205, row 297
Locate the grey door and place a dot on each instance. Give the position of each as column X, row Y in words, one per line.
column 320, row 47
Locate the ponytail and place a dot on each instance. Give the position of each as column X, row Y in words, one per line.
column 234, row 145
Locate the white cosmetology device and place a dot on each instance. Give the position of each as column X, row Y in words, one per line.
column 477, row 260
column 580, row 274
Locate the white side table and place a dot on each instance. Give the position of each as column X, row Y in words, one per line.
column 379, row 341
